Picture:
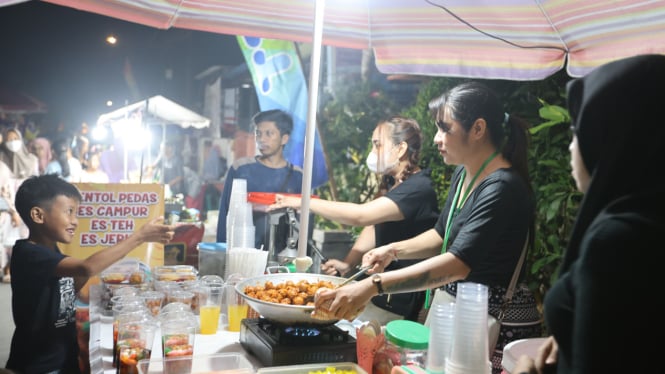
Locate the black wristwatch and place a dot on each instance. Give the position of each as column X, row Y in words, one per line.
column 376, row 280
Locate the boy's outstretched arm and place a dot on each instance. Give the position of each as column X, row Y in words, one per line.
column 83, row 269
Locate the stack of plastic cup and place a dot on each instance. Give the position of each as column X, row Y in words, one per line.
column 239, row 222
column 243, row 227
column 442, row 322
column 239, row 190
column 469, row 353
column 237, row 208
column 238, row 196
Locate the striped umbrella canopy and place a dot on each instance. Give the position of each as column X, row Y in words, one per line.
column 494, row 39
column 502, row 39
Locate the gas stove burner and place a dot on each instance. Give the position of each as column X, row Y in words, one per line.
column 302, row 331
column 277, row 344
column 301, row 334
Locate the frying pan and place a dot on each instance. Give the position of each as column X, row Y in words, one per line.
column 283, row 313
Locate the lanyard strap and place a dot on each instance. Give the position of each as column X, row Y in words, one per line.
column 454, row 209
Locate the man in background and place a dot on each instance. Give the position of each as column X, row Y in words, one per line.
column 267, row 172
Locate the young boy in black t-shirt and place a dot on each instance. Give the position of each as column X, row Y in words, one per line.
column 45, row 282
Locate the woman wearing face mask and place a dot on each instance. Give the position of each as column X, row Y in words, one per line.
column 405, row 207
column 16, row 155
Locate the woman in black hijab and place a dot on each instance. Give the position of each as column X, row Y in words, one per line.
column 607, row 297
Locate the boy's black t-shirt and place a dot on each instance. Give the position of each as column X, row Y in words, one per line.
column 43, row 308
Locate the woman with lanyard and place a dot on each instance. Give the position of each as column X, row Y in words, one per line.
column 482, row 229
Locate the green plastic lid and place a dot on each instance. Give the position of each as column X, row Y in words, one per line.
column 407, row 334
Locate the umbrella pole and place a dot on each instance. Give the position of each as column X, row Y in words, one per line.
column 162, row 145
column 303, row 262
column 124, row 163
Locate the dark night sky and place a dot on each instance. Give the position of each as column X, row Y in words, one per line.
column 59, row 55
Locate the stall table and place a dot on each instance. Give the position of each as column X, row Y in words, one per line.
column 101, row 341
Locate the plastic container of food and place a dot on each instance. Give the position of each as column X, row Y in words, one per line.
column 212, row 258
column 325, row 368
column 406, row 344
column 175, row 273
column 125, row 273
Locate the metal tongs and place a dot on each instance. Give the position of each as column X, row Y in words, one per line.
column 360, row 272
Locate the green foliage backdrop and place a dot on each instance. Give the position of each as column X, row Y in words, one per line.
column 346, row 124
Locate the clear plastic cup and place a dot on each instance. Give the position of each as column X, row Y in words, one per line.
column 178, row 341
column 481, row 368
column 469, row 351
column 175, row 307
column 125, row 313
column 442, row 322
column 135, row 342
column 153, row 301
column 243, row 236
column 210, row 309
column 212, row 279
column 186, row 285
column 239, row 187
column 185, row 297
column 236, row 306
column 165, row 286
column 197, row 289
column 112, row 292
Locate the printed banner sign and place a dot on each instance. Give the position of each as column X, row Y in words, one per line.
column 110, row 213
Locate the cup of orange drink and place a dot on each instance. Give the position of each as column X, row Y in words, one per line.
column 236, row 307
column 210, row 308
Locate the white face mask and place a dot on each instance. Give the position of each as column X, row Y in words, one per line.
column 14, row 145
column 373, row 163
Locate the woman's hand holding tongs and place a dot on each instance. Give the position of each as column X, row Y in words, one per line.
column 335, row 267
column 379, row 258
